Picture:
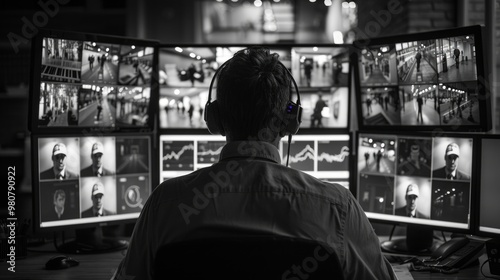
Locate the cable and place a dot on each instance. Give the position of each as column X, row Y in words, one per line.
column 484, row 275
column 444, row 237
column 392, row 232
column 288, row 152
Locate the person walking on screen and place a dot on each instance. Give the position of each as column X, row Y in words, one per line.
column 420, row 102
column 103, row 60
column 249, row 182
column 316, row 117
column 58, row 171
column 91, row 62
column 418, row 57
column 410, row 209
column 456, row 53
column 368, row 105
column 308, row 66
column 97, row 209
column 379, row 157
column 99, row 109
column 96, row 168
column 450, row 170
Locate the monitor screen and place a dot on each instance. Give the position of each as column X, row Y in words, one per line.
column 416, row 179
column 489, row 224
column 425, row 80
column 80, row 181
column 321, row 73
column 85, row 81
column 183, row 154
column 324, row 156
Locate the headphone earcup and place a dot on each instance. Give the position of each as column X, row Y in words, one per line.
column 212, row 118
column 293, row 118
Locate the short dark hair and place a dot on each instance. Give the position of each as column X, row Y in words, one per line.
column 60, row 193
column 253, row 90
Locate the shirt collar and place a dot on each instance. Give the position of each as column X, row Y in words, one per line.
column 413, row 213
column 251, row 149
column 97, row 170
column 59, row 213
column 62, row 173
column 97, row 212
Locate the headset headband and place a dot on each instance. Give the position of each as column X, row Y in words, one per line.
column 280, row 63
column 293, row 110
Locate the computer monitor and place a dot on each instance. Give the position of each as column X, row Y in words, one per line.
column 83, row 82
column 85, row 182
column 489, row 224
column 324, row 156
column 183, row 154
column 424, row 81
column 424, row 181
column 320, row 71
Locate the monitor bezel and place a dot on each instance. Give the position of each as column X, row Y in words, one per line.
column 35, row 171
column 480, row 232
column 302, row 130
column 474, row 192
column 36, row 79
column 483, row 83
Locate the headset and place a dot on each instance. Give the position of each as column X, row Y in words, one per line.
column 293, row 116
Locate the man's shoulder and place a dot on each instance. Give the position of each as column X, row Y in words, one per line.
column 107, row 171
column 47, row 174
column 302, row 183
column 401, row 211
column 71, row 174
column 330, row 190
column 462, row 176
column 107, row 212
column 173, row 184
column 421, row 215
column 438, row 171
column 87, row 213
column 87, row 171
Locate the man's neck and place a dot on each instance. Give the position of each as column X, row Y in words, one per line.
column 97, row 210
column 96, row 169
column 59, row 210
column 58, row 172
column 413, row 212
column 452, row 172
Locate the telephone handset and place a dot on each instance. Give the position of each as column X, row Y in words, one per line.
column 458, row 252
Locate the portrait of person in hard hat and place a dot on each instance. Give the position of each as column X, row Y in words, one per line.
column 97, row 196
column 96, row 168
column 411, row 208
column 450, row 170
column 58, row 171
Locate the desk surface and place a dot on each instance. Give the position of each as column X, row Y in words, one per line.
column 102, row 266
column 92, row 266
column 472, row 272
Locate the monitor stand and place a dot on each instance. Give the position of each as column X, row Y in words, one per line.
column 419, row 241
column 91, row 241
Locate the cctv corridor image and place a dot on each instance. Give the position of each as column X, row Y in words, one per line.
column 94, row 84
column 429, row 82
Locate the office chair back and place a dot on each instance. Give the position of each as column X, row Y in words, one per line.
column 248, row 257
